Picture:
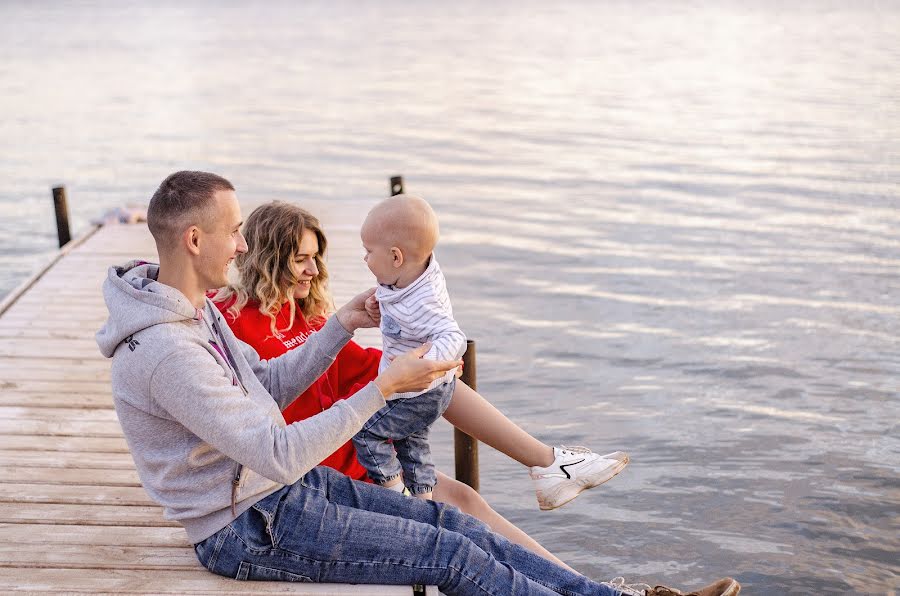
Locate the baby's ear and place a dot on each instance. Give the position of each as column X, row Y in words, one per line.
column 397, row 256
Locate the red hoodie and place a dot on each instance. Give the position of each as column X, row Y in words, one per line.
column 353, row 368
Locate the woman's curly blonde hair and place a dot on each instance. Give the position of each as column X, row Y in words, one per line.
column 267, row 273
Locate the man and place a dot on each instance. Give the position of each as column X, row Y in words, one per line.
column 202, row 416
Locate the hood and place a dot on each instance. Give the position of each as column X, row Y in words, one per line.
column 137, row 301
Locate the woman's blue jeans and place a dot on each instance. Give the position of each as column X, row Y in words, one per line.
column 329, row 528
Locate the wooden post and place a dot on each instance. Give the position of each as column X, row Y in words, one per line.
column 396, row 185
column 466, row 447
column 61, row 207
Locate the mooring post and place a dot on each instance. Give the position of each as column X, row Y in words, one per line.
column 396, row 185
column 61, row 207
column 465, row 446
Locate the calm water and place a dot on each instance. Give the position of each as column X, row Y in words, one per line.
column 671, row 227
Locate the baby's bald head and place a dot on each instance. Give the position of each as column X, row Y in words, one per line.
column 406, row 222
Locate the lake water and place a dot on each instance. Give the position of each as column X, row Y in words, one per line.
column 672, row 228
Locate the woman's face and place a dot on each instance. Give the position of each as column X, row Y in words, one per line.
column 303, row 265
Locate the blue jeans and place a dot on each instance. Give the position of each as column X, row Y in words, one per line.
column 405, row 422
column 329, row 528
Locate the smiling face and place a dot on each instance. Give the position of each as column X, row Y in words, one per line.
column 221, row 241
column 303, row 265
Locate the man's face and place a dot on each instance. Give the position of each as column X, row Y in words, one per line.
column 222, row 241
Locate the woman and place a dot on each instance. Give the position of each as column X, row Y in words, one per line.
column 282, row 297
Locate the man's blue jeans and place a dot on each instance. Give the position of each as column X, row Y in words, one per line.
column 329, row 528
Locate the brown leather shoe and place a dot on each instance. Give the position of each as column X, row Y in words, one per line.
column 723, row 587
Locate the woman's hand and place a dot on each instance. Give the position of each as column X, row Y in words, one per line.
column 410, row 372
column 355, row 314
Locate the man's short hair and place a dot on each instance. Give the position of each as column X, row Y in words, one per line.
column 183, row 199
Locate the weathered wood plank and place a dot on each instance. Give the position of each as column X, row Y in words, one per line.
column 62, row 369
column 62, row 459
column 46, row 349
column 157, row 581
column 81, row 556
column 64, row 476
column 58, row 371
column 26, row 412
column 74, row 494
column 59, row 427
column 35, row 534
column 91, row 515
column 67, row 444
column 61, row 399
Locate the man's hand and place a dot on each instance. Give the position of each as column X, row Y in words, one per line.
column 409, row 372
column 373, row 309
column 355, row 314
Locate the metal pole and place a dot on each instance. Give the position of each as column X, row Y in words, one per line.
column 61, row 207
column 396, row 185
column 465, row 446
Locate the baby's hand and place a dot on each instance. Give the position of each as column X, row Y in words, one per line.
column 373, row 310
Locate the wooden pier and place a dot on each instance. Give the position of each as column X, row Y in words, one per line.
column 75, row 518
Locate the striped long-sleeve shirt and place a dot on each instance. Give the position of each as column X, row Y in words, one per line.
column 418, row 313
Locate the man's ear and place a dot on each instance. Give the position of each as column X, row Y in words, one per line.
column 396, row 257
column 191, row 239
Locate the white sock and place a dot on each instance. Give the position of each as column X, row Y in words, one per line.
column 397, row 488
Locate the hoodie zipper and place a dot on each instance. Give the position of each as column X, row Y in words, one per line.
column 222, row 347
column 229, row 359
column 235, row 485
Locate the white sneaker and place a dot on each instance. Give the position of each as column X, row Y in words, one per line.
column 575, row 469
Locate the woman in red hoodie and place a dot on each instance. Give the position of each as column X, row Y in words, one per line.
column 282, row 298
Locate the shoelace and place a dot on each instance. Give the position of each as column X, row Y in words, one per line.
column 574, row 450
column 628, row 589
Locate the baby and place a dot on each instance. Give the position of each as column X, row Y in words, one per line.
column 399, row 235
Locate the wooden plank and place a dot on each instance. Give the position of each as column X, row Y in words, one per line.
column 61, row 369
column 81, row 556
column 38, row 534
column 60, row 427
column 74, row 494
column 66, row 476
column 100, row 401
column 26, row 412
column 10, row 333
column 47, row 349
column 159, row 581
column 26, row 384
column 62, row 459
column 67, row 444
column 33, row 376
column 92, row 515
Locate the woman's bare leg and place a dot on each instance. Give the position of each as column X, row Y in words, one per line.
column 474, row 415
column 464, row 497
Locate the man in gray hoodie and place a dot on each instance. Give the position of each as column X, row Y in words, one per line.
column 202, row 417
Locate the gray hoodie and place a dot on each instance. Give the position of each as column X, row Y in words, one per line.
column 202, row 413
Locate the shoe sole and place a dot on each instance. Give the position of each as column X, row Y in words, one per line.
column 733, row 589
column 548, row 505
